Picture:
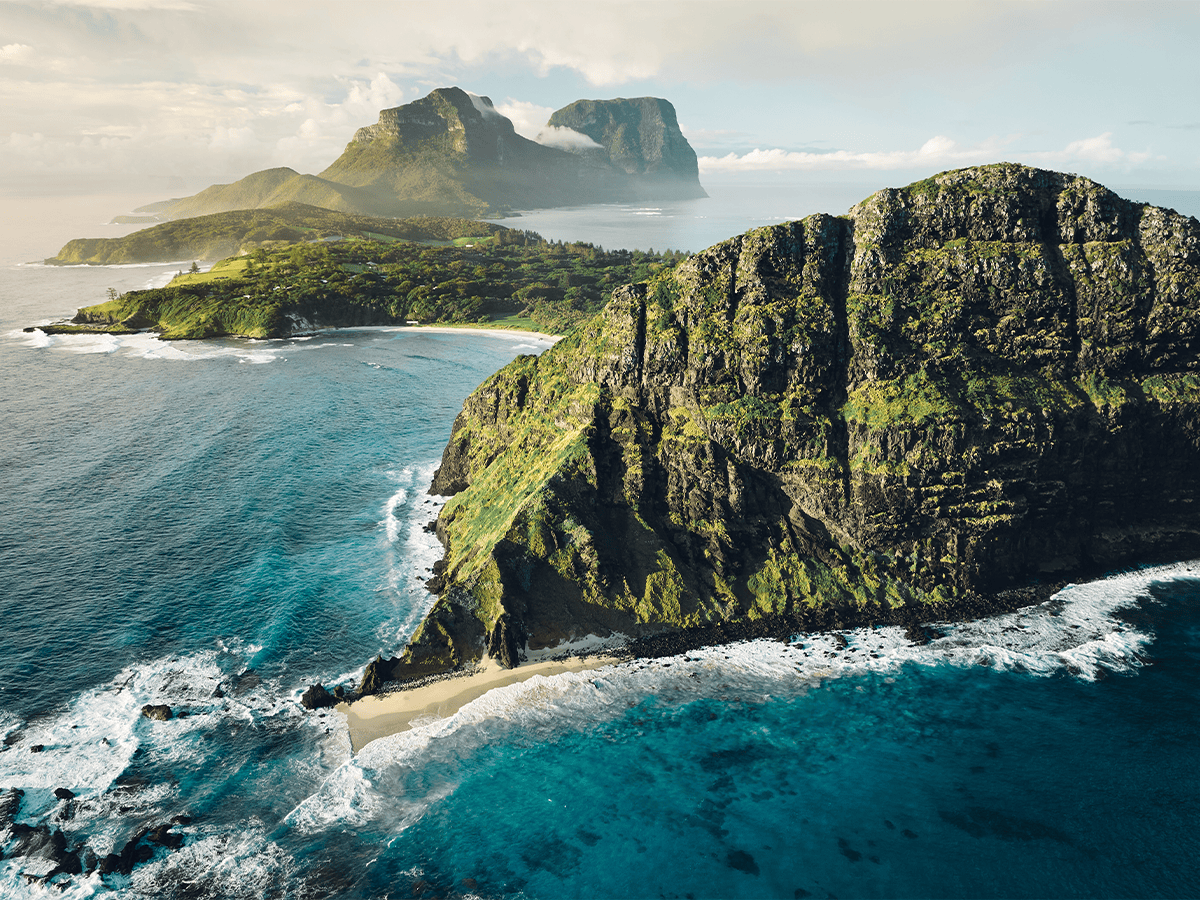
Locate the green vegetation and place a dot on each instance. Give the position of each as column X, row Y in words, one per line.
column 476, row 273
column 225, row 234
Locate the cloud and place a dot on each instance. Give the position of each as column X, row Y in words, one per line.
column 15, row 52
column 123, row 5
column 937, row 152
column 528, row 118
column 566, row 139
column 1097, row 149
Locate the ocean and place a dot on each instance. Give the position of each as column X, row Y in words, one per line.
column 217, row 525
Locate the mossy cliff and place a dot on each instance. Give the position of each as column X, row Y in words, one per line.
column 981, row 382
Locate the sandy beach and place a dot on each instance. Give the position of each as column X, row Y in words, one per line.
column 477, row 329
column 378, row 716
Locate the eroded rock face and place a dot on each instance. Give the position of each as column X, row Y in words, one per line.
column 982, row 381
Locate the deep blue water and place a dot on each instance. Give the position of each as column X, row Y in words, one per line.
column 247, row 516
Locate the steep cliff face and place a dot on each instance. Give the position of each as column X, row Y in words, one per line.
column 978, row 382
column 642, row 138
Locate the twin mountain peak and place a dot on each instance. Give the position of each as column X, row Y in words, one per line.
column 452, row 153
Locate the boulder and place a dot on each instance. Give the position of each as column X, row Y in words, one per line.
column 159, row 712
column 316, row 697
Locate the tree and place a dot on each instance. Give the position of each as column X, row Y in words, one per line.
column 112, row 295
column 195, row 269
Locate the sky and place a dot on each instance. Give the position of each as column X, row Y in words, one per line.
column 164, row 97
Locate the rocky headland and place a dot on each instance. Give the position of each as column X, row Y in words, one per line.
column 948, row 401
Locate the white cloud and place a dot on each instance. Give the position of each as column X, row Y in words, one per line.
column 15, row 52
column 527, row 118
column 1097, row 149
column 566, row 139
column 123, row 5
column 938, row 151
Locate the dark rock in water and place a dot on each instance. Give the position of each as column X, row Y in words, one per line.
column 131, row 854
column 159, row 712
column 430, row 527
column 88, row 859
column 339, row 692
column 840, row 641
column 847, row 851
column 742, row 861
column 64, row 812
column 316, row 697
column 919, row 634
column 37, row 748
column 246, row 681
column 164, row 837
column 38, row 841
column 10, row 805
column 64, row 793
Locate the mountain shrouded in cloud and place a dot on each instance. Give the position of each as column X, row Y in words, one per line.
column 452, row 153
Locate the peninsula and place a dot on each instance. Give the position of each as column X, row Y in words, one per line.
column 423, row 271
column 953, row 398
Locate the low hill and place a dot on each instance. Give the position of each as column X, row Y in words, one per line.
column 219, row 235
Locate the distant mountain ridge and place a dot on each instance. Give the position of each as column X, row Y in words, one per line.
column 453, row 154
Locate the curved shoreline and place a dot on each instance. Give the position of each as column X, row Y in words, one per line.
column 400, row 707
column 381, row 715
column 69, row 327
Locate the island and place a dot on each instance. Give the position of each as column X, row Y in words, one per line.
column 453, row 154
column 949, row 401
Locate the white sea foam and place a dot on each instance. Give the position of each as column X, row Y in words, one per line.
column 1076, row 633
column 411, row 550
column 589, row 644
column 232, row 864
column 91, row 742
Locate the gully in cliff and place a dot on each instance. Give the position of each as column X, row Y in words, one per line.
column 946, row 402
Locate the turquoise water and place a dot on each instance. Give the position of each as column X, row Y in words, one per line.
column 246, row 516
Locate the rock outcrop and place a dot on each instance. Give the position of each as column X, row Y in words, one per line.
column 983, row 383
column 642, row 138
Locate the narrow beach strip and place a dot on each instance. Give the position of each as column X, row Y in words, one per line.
column 385, row 714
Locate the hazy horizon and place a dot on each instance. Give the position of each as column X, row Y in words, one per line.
column 164, row 97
